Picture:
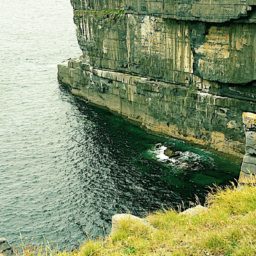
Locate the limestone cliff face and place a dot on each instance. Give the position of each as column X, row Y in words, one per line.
column 185, row 68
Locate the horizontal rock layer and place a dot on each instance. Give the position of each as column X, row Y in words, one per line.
column 181, row 68
column 199, row 10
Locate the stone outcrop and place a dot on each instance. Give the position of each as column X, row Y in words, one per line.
column 199, row 209
column 182, row 68
column 249, row 161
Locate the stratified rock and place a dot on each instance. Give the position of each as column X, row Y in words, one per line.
column 199, row 10
column 195, row 210
column 182, row 68
column 5, row 248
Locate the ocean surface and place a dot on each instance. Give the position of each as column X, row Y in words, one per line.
column 66, row 167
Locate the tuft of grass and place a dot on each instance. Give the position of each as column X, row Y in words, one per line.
column 227, row 228
column 90, row 249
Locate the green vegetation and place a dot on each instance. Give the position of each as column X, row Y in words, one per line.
column 99, row 13
column 228, row 227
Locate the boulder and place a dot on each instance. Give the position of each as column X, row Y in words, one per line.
column 170, row 153
column 195, row 210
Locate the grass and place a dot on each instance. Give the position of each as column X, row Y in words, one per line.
column 99, row 13
column 227, row 228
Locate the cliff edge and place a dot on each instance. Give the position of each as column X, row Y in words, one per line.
column 182, row 68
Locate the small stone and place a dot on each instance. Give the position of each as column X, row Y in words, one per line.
column 195, row 210
column 170, row 153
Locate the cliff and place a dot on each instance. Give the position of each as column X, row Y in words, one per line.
column 184, row 68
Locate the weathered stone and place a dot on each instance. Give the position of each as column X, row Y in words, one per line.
column 195, row 210
column 170, row 153
column 251, row 142
column 249, row 162
column 225, row 54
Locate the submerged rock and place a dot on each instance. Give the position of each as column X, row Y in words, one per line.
column 183, row 161
column 170, row 153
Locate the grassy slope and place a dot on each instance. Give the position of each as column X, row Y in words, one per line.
column 227, row 228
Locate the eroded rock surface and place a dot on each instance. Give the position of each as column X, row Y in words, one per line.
column 183, row 68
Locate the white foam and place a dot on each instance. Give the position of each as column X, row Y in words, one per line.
column 160, row 154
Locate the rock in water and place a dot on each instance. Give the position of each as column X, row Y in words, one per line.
column 170, row 153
